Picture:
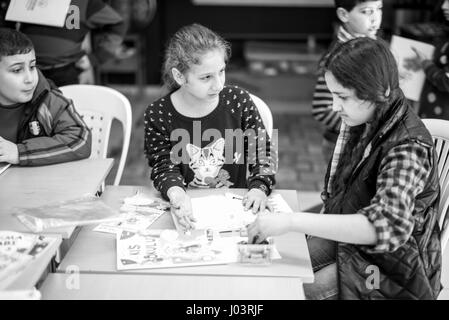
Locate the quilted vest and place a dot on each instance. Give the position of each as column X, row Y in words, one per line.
column 412, row 271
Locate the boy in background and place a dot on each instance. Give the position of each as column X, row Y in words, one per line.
column 38, row 125
column 358, row 18
column 60, row 50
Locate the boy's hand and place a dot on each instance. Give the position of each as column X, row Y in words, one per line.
column 420, row 55
column 181, row 207
column 257, row 199
column 415, row 63
column 8, row 151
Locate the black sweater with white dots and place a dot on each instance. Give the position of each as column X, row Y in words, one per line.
column 229, row 147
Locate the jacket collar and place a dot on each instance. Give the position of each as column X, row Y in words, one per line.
column 391, row 117
column 43, row 87
column 40, row 93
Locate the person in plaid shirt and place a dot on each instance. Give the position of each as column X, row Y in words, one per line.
column 378, row 237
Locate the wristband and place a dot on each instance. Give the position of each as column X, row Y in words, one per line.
column 263, row 187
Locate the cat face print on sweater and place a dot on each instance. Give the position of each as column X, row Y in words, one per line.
column 207, row 165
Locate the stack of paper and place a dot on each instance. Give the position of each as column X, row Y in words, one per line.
column 137, row 213
column 16, row 251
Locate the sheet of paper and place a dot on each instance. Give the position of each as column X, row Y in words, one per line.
column 411, row 81
column 168, row 249
column 138, row 213
column 226, row 212
column 4, row 166
column 220, row 213
column 138, row 250
column 279, row 204
column 45, row 12
column 131, row 221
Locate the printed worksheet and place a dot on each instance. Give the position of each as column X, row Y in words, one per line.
column 138, row 213
column 146, row 250
column 17, row 250
column 45, row 12
column 131, row 221
column 411, row 80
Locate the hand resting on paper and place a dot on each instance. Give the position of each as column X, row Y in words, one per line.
column 257, row 199
column 181, row 206
column 268, row 224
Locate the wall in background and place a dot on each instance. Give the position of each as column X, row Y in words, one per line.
column 239, row 24
column 235, row 23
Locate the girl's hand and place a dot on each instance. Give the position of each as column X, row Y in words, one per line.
column 268, row 224
column 181, row 206
column 257, row 199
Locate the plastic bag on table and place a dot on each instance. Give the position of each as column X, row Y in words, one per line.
column 81, row 211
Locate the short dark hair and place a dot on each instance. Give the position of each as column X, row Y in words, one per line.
column 348, row 5
column 13, row 42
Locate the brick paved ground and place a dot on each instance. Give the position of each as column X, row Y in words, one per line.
column 301, row 165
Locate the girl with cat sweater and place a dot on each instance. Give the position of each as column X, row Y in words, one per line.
column 204, row 134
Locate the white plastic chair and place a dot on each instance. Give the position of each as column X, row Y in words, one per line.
column 264, row 112
column 439, row 129
column 98, row 106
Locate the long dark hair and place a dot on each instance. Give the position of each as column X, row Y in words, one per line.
column 369, row 68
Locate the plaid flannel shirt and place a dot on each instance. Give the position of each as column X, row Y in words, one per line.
column 403, row 173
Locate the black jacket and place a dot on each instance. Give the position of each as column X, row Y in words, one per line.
column 413, row 270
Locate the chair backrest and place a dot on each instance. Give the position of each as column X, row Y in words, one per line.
column 264, row 112
column 98, row 106
column 439, row 129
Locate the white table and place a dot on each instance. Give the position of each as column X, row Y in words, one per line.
column 35, row 186
column 61, row 286
column 94, row 254
column 37, row 268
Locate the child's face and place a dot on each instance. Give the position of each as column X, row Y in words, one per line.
column 205, row 80
column 364, row 19
column 351, row 109
column 18, row 78
column 445, row 8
